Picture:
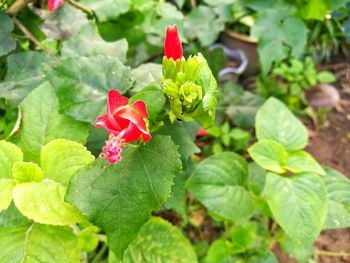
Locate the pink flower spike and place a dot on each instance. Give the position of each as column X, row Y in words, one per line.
column 112, row 149
column 54, row 4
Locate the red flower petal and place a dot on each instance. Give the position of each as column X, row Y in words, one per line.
column 132, row 133
column 172, row 43
column 103, row 122
column 136, row 114
column 54, row 4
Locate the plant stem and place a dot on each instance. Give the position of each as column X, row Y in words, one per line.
column 80, row 7
column 102, row 238
column 29, row 35
column 331, row 253
column 17, row 6
column 100, row 254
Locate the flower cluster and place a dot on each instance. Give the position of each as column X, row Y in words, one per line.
column 125, row 123
column 54, row 4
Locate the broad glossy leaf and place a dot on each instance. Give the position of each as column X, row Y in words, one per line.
column 44, row 203
column 119, row 198
column 42, row 123
column 27, row 172
column 338, row 194
column 9, row 155
column 24, row 73
column 64, row 23
column 301, row 161
column 218, row 183
column 153, row 97
column 36, row 243
column 145, row 75
column 270, row 155
column 82, row 83
column 8, row 43
column 159, row 241
column 88, row 43
column 6, row 187
column 108, row 9
column 60, row 159
column 298, row 204
column 278, row 28
column 274, row 121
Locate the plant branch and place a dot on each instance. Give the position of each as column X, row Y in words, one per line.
column 331, row 253
column 80, row 7
column 31, row 37
column 17, row 6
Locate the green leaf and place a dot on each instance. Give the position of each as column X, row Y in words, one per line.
column 24, row 73
column 218, row 183
column 87, row 238
column 274, row 121
column 298, row 204
column 119, row 198
column 338, row 195
column 301, row 161
column 27, row 172
column 326, row 77
column 88, row 43
column 270, row 155
column 60, row 159
column 64, row 23
column 154, row 99
column 12, row 217
column 44, row 203
column 145, row 75
column 8, row 43
column 245, row 235
column 219, row 252
column 42, row 123
column 6, row 186
column 256, row 177
column 82, row 83
column 300, row 252
column 159, row 241
column 38, row 243
column 9, row 155
column 108, row 9
column 286, row 34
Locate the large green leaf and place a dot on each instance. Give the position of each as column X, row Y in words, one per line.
column 120, row 197
column 89, row 43
column 301, row 161
column 60, row 159
column 64, row 23
column 218, row 183
column 36, row 243
column 44, row 203
column 338, row 194
column 298, row 203
column 154, row 99
column 42, row 123
column 6, row 186
column 278, row 28
column 274, row 121
column 82, row 83
column 8, row 43
column 24, row 73
column 145, row 75
column 159, row 241
column 108, row 9
column 270, row 155
column 9, row 155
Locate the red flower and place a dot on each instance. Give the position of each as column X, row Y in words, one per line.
column 172, row 43
column 124, row 120
column 202, row 132
column 54, row 4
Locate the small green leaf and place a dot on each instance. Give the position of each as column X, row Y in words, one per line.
column 338, row 194
column 60, row 159
column 38, row 243
column 298, row 204
column 219, row 252
column 42, row 123
column 301, row 161
column 326, row 77
column 87, row 238
column 8, row 43
column 44, row 203
column 270, row 155
column 159, row 241
column 9, row 155
column 245, row 235
column 119, row 198
column 27, row 172
column 275, row 122
column 218, row 183
column 6, row 186
column 12, row 217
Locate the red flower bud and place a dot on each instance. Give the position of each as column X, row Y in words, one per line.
column 124, row 120
column 172, row 43
column 54, row 4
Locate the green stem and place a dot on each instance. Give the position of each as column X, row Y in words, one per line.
column 100, row 254
column 17, row 6
column 80, row 7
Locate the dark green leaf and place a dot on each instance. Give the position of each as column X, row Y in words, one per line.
column 108, row 9
column 7, row 41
